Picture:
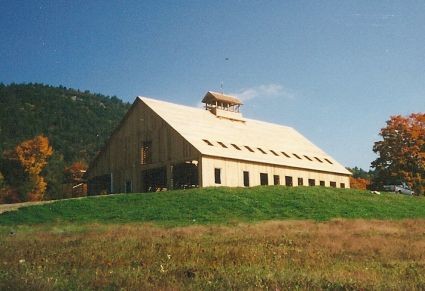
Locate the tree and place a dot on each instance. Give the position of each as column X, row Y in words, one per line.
column 33, row 155
column 8, row 194
column 360, row 173
column 54, row 175
column 74, row 177
column 359, row 183
column 401, row 153
column 2, row 181
column 75, row 172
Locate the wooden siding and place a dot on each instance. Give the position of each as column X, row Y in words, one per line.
column 121, row 155
column 232, row 173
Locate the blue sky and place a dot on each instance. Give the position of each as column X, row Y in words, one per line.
column 334, row 70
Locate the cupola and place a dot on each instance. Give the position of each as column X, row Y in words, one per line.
column 223, row 106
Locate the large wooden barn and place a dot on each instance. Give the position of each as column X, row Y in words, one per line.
column 160, row 145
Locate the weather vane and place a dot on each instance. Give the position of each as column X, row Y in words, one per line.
column 222, row 82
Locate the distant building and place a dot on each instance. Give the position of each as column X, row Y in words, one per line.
column 160, row 145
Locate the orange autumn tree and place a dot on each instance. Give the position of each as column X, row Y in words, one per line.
column 359, row 183
column 401, row 153
column 33, row 155
column 74, row 176
column 75, row 172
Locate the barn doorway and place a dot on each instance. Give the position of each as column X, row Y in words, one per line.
column 185, row 175
column 99, row 185
column 128, row 187
column 154, row 180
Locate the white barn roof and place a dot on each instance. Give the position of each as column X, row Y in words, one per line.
column 257, row 141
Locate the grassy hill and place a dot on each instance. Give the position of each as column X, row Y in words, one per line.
column 209, row 243
column 222, row 206
column 77, row 123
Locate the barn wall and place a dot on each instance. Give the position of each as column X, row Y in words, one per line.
column 232, row 174
column 121, row 157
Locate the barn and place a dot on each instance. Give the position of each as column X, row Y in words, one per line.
column 160, row 145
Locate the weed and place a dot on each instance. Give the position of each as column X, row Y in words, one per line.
column 338, row 254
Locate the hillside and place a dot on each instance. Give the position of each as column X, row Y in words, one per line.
column 77, row 123
column 217, row 239
column 223, row 206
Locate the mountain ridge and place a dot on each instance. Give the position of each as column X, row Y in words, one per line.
column 76, row 122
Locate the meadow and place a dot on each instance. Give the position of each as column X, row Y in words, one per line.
column 260, row 238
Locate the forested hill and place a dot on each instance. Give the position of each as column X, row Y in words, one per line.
column 77, row 123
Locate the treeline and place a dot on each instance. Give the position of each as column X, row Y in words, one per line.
column 48, row 136
column 76, row 123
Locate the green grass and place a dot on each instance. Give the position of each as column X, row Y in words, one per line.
column 119, row 242
column 222, row 206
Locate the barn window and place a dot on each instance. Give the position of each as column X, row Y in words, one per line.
column 342, row 185
column 208, row 142
column 276, row 180
column 273, row 152
column 261, row 150
column 300, row 181
column 264, row 179
column 288, row 181
column 319, row 160
column 246, row 178
column 286, row 155
column 217, row 176
column 236, row 147
column 308, row 158
column 311, row 182
column 328, row 161
column 322, row 183
column 146, row 153
column 333, row 184
column 222, row 144
column 297, row 156
column 250, row 149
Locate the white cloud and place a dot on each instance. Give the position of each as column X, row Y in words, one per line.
column 374, row 20
column 199, row 104
column 263, row 91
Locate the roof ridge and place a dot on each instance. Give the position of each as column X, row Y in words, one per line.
column 195, row 124
column 202, row 109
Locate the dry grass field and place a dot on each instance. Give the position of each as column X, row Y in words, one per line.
column 277, row 255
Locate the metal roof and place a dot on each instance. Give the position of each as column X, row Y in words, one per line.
column 257, row 141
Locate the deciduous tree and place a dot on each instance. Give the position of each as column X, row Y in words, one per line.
column 8, row 194
column 74, row 177
column 401, row 153
column 75, row 172
column 33, row 155
column 2, row 181
column 359, row 183
column 54, row 176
